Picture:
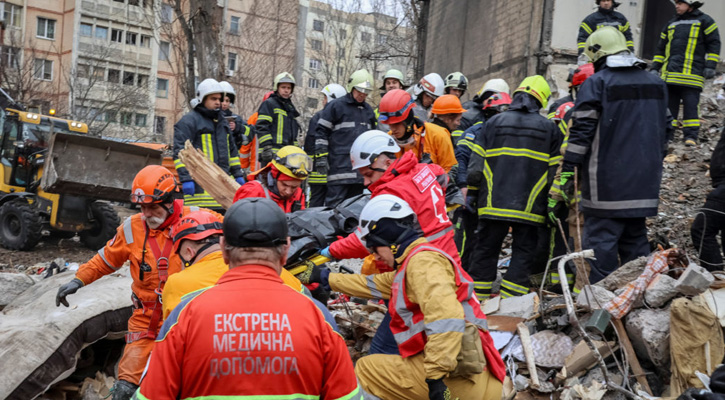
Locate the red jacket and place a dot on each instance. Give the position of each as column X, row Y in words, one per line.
column 417, row 184
column 224, row 341
column 257, row 189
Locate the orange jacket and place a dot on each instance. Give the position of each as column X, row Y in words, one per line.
column 435, row 141
column 248, row 152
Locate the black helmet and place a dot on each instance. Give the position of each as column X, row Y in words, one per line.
column 255, row 222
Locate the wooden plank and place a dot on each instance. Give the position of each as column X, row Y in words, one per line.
column 525, row 336
column 631, row 355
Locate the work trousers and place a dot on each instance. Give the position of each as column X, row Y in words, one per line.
column 690, row 99
column 612, row 237
column 136, row 354
column 317, row 195
column 336, row 194
column 384, row 342
column 465, row 223
column 484, row 263
column 707, row 225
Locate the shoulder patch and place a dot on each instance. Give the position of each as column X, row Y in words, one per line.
column 423, row 179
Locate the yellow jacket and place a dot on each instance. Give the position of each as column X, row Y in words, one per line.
column 430, row 283
column 436, row 141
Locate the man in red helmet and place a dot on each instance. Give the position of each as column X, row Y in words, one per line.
column 578, row 76
column 144, row 240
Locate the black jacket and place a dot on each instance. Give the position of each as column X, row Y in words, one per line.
column 717, row 162
column 340, row 123
column 602, row 18
column 685, row 65
column 315, row 178
column 471, row 117
column 242, row 133
column 555, row 105
column 276, row 124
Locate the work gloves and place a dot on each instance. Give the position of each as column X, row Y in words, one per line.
column 266, row 156
column 556, row 210
column 123, row 390
column 326, row 252
column 240, row 180
column 437, row 390
column 313, row 274
column 189, row 188
column 69, row 288
column 709, row 73
column 472, row 201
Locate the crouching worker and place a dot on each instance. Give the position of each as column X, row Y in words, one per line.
column 436, row 317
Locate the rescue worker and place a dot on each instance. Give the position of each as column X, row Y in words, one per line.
column 456, row 84
column 248, row 152
column 337, row 128
column 280, row 180
column 318, row 180
column 144, row 240
column 446, row 112
column 276, row 122
column 518, row 140
column 208, row 131
column 687, row 54
column 224, row 342
column 393, row 79
column 429, row 142
column 577, row 77
column 604, row 16
column 617, row 141
column 426, row 91
column 433, row 310
column 241, row 132
column 475, row 113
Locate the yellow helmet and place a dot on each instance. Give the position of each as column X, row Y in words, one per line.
column 293, row 162
column 284, row 77
column 536, row 86
column 360, row 80
column 605, row 41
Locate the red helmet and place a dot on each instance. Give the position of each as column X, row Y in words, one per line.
column 581, row 74
column 562, row 110
column 153, row 184
column 395, row 106
column 195, row 226
column 266, row 95
column 497, row 101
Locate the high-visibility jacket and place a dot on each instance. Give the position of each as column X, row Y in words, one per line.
column 316, row 177
column 563, row 125
column 600, row 18
column 248, row 152
column 464, row 148
column 223, row 342
column 423, row 187
column 688, row 44
column 469, row 118
column 258, row 188
column 438, row 294
column 432, row 144
column 340, row 123
column 242, row 133
column 514, row 163
column 276, row 125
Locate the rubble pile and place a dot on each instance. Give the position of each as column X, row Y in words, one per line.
column 357, row 320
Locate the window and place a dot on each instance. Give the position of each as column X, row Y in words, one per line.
column 167, row 13
column 10, row 57
column 86, row 30
column 129, row 78
column 46, row 28
column 316, row 44
column 117, row 35
column 143, row 81
column 82, row 71
column 313, row 83
column 145, row 41
column 382, row 39
column 114, row 75
column 131, row 38
column 232, row 62
column 318, row 25
column 99, row 73
column 111, row 116
column 101, row 32
column 119, row 1
column 95, row 114
column 234, row 26
column 311, row 102
column 315, row 64
column 133, row 2
column 365, row 37
column 159, row 125
column 12, row 15
column 140, row 119
column 43, row 69
column 126, row 118
column 343, row 34
column 164, row 48
column 162, row 88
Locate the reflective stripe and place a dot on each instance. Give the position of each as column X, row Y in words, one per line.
column 577, row 149
column 683, row 22
column 128, row 231
column 690, row 123
column 280, row 111
column 439, row 234
column 102, row 253
column 321, row 142
column 343, row 125
column 555, row 160
column 280, row 128
column 234, row 161
column 581, row 45
column 593, row 114
column 712, row 57
column 620, row 205
column 522, row 152
column 194, row 208
column 338, row 177
column 516, row 214
column 244, row 156
column 659, row 59
column 264, row 117
column 327, row 124
column 374, row 292
column 690, row 49
column 178, row 163
column 535, row 191
column 710, row 29
column 445, row 326
column 586, row 28
column 514, row 287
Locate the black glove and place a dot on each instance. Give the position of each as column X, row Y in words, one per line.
column 69, row 288
column 426, row 159
column 123, row 390
column 437, row 390
column 709, row 73
column 472, row 202
column 266, row 156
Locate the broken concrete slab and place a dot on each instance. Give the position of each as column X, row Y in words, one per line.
column 661, row 290
column 624, row 274
column 519, row 306
column 594, row 297
column 694, row 280
column 12, row 285
column 649, row 331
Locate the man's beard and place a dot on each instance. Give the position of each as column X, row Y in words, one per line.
column 154, row 222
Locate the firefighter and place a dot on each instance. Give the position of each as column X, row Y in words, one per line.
column 241, row 132
column 429, row 142
column 426, row 91
column 338, row 127
column 248, row 152
column 276, row 122
column 575, row 79
column 604, row 16
column 318, row 180
column 280, row 180
column 518, row 140
column 475, row 113
column 709, row 222
column 208, row 131
column 446, row 113
column 393, row 79
column 223, row 342
column 144, row 240
column 687, row 54
column 617, row 142
column 433, row 312
column 456, row 84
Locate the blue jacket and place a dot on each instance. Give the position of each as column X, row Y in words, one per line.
column 464, row 147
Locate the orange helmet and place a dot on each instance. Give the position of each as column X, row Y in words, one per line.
column 153, row 184
column 562, row 110
column 195, row 226
column 581, row 74
column 395, row 106
column 447, row 104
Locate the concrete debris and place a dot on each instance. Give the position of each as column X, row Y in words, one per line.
column 520, row 306
column 623, row 275
column 661, row 290
column 550, row 349
column 12, row 285
column 649, row 331
column 694, row 280
column 594, row 297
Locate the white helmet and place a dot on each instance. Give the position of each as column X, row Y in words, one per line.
column 333, row 91
column 431, row 83
column 206, row 87
column 381, row 207
column 368, row 146
column 495, row 86
column 229, row 90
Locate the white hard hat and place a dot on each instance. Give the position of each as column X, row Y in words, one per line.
column 368, row 146
column 229, row 90
column 431, row 83
column 333, row 91
column 381, row 207
column 206, row 87
column 496, row 86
